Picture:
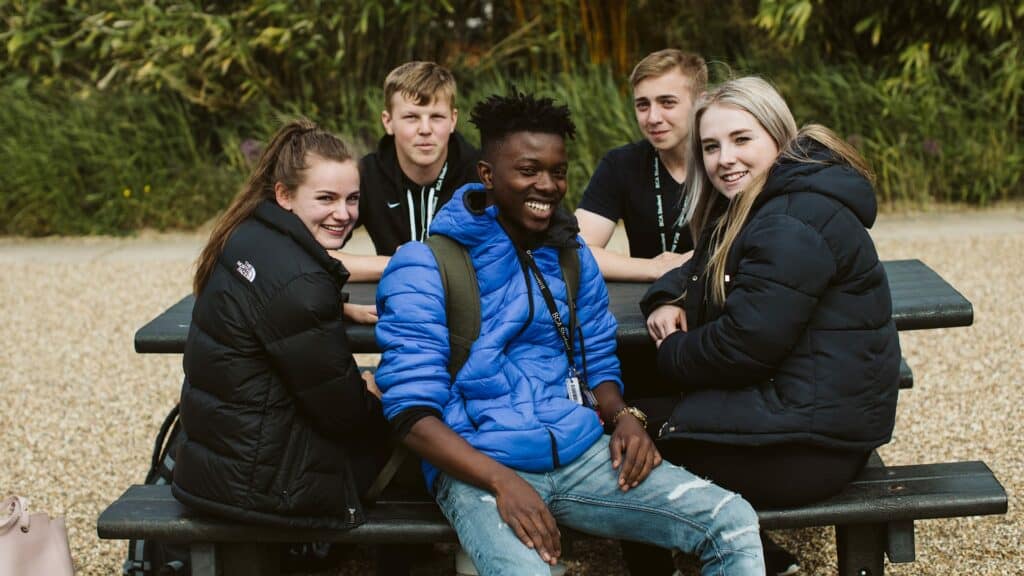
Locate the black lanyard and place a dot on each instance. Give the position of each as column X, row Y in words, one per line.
column 563, row 331
column 440, row 178
column 659, row 196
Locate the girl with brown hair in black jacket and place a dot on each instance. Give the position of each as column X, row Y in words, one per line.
column 281, row 427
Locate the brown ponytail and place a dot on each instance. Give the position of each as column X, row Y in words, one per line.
column 284, row 160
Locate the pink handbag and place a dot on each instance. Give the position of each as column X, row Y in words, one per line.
column 32, row 544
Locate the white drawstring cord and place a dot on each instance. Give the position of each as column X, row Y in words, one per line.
column 430, row 206
column 412, row 214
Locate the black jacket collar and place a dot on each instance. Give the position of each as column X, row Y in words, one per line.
column 284, row 221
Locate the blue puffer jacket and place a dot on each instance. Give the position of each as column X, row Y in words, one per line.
column 509, row 400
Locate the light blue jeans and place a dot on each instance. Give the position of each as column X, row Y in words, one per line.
column 672, row 508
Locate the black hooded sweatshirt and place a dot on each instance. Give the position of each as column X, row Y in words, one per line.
column 384, row 204
column 804, row 349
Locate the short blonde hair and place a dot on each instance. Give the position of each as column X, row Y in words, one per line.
column 664, row 61
column 420, row 82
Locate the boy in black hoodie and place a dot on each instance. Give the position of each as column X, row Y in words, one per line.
column 417, row 166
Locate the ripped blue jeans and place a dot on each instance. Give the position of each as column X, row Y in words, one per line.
column 672, row 508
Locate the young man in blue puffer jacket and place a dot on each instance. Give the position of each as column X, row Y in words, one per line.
column 510, row 446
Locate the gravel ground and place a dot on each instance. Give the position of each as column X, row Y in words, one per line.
column 80, row 408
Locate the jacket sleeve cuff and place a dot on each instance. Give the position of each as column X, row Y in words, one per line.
column 655, row 301
column 667, row 354
column 665, row 289
column 403, row 422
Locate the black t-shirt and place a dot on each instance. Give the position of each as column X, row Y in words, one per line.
column 623, row 187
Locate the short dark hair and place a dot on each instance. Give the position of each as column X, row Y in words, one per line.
column 498, row 116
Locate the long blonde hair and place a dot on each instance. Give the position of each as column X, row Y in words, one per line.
column 760, row 99
column 284, row 160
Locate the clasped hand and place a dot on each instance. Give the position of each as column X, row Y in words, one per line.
column 664, row 321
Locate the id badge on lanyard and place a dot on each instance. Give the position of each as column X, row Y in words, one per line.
column 572, row 386
column 578, row 391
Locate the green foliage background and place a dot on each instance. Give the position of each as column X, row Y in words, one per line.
column 123, row 114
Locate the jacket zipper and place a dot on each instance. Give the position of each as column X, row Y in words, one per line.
column 529, row 298
column 554, row 449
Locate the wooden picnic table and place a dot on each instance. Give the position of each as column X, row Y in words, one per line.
column 921, row 300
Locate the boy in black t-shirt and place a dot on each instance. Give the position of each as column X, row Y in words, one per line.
column 641, row 183
column 417, row 166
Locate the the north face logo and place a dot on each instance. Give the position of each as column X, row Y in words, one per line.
column 246, row 270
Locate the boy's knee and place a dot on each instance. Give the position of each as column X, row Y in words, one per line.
column 736, row 522
column 502, row 555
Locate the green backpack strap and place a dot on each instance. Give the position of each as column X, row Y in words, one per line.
column 569, row 262
column 461, row 298
column 462, row 293
column 462, row 306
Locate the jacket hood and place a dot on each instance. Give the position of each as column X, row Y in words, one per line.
column 387, row 156
column 823, row 173
column 469, row 220
column 289, row 224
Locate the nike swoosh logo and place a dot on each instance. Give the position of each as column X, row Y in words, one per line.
column 394, row 205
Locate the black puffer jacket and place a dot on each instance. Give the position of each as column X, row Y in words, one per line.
column 280, row 427
column 804, row 349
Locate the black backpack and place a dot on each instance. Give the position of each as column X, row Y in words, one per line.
column 159, row 558
column 462, row 309
column 147, row 557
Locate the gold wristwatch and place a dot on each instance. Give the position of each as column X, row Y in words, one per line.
column 634, row 411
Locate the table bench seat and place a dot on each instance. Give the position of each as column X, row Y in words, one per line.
column 873, row 515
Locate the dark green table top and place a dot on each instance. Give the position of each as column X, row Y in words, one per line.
column 921, row 300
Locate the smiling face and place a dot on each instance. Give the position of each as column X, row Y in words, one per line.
column 662, row 105
column 421, row 133
column 526, row 178
column 737, row 150
column 327, row 200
